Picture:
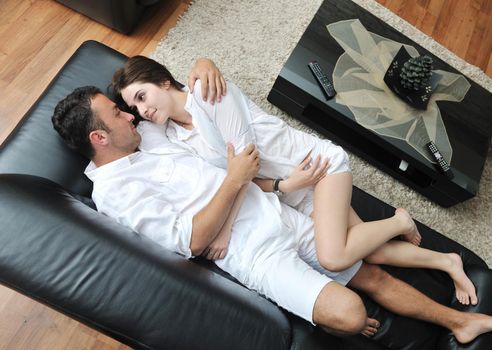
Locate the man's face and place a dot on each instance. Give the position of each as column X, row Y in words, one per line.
column 122, row 134
column 153, row 102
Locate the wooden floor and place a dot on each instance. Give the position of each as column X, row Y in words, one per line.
column 464, row 27
column 38, row 36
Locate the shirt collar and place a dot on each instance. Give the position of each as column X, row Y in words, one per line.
column 180, row 133
column 97, row 173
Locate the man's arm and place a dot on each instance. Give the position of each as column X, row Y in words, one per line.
column 207, row 223
column 213, row 82
column 219, row 246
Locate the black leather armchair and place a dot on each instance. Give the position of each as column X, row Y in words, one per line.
column 55, row 248
column 121, row 15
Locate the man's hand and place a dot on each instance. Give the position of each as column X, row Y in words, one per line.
column 213, row 83
column 244, row 167
column 218, row 248
column 305, row 175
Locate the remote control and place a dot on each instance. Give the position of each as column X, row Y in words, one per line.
column 323, row 80
column 441, row 162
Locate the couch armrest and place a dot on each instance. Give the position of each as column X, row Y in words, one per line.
column 58, row 251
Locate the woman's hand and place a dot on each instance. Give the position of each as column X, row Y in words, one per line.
column 305, row 175
column 213, row 83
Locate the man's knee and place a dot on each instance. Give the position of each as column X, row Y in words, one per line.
column 370, row 278
column 339, row 309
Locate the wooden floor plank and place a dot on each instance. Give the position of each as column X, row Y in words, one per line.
column 14, row 316
column 26, row 44
column 10, row 12
column 435, row 7
column 428, row 23
column 485, row 45
column 455, row 37
column 444, row 22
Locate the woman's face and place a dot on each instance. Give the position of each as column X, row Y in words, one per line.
column 153, row 102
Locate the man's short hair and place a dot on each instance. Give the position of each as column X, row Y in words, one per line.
column 74, row 119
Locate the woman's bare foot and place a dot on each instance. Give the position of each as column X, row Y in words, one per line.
column 371, row 328
column 412, row 234
column 472, row 326
column 465, row 290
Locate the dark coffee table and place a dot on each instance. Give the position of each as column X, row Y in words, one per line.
column 468, row 123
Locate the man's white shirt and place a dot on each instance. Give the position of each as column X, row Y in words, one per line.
column 157, row 194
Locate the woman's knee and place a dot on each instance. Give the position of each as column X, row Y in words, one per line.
column 334, row 262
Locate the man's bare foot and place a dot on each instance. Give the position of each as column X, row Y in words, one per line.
column 472, row 326
column 371, row 328
column 412, row 234
column 465, row 290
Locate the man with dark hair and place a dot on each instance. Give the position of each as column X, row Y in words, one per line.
column 80, row 120
column 74, row 119
column 183, row 203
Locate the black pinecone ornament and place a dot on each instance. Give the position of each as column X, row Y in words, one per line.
column 416, row 72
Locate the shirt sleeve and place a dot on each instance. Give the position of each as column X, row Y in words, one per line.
column 231, row 116
column 147, row 212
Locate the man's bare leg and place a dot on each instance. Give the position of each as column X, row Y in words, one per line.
column 401, row 298
column 339, row 310
column 338, row 244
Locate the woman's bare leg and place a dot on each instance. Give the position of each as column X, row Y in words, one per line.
column 404, row 254
column 338, row 244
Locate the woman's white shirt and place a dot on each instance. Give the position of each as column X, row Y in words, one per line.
column 236, row 119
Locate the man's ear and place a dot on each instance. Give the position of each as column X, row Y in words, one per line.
column 99, row 138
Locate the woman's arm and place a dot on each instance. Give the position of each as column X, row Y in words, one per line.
column 231, row 118
column 304, row 175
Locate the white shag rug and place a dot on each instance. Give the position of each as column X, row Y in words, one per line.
column 251, row 40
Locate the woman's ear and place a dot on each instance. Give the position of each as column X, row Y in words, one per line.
column 166, row 84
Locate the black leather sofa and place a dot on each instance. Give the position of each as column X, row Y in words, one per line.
column 121, row 15
column 56, row 249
